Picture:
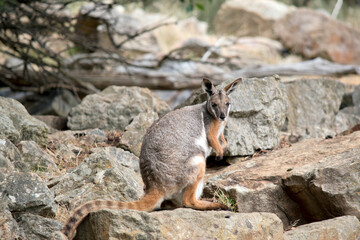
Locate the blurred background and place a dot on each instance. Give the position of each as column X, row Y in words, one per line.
column 54, row 53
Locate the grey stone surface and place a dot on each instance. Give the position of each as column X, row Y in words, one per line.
column 114, row 108
column 27, row 193
column 311, row 180
column 36, row 227
column 35, row 157
column 135, row 131
column 347, row 118
column 329, row 187
column 16, row 124
column 180, row 224
column 344, row 228
column 108, row 173
column 10, row 158
column 9, row 228
column 313, row 106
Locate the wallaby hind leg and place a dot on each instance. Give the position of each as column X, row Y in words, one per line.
column 190, row 197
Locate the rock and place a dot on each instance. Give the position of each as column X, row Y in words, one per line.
column 179, row 224
column 38, row 159
column 36, row 227
column 52, row 121
column 314, row 34
column 10, row 158
column 16, row 124
column 347, row 118
column 313, row 105
column 93, row 23
column 253, row 18
column 9, row 229
column 108, row 173
column 244, row 52
column 27, row 193
column 114, row 108
column 58, row 103
column 311, row 180
column 344, row 228
column 328, row 187
column 256, row 115
column 356, row 96
column 173, row 97
column 132, row 138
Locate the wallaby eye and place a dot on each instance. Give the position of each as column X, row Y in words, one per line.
column 213, row 104
column 228, row 104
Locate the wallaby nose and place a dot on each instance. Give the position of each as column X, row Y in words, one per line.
column 222, row 116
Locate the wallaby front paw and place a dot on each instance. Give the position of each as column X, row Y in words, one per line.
column 219, row 158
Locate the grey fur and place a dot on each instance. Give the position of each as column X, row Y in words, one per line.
column 170, row 143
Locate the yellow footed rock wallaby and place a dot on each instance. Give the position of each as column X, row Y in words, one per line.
column 173, row 157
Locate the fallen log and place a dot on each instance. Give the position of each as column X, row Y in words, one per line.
column 180, row 78
column 317, row 66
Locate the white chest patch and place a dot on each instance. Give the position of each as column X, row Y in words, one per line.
column 202, row 142
column 221, row 128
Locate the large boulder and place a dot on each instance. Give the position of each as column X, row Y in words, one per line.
column 179, row 224
column 314, row 34
column 328, row 187
column 114, row 108
column 108, row 173
column 313, row 106
column 315, row 179
column 16, row 124
column 249, row 18
column 27, row 193
column 344, row 228
column 256, row 116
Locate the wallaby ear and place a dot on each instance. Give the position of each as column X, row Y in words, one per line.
column 232, row 86
column 208, row 86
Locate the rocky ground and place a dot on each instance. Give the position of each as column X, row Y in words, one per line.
column 292, row 167
column 300, row 176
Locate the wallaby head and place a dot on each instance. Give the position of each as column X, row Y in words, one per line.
column 218, row 103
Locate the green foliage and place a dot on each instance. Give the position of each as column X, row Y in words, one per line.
column 224, row 198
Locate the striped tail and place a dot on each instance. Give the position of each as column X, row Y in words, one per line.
column 148, row 203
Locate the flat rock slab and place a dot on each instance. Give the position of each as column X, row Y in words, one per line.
column 344, row 228
column 179, row 224
column 311, row 180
